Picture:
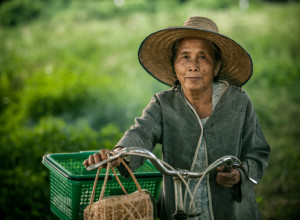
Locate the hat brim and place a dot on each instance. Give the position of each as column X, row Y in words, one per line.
column 155, row 55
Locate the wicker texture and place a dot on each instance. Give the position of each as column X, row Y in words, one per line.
column 137, row 205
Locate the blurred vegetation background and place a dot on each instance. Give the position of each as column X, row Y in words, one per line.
column 70, row 81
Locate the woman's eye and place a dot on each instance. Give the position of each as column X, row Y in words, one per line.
column 202, row 57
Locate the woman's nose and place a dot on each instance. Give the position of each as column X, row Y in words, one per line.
column 194, row 65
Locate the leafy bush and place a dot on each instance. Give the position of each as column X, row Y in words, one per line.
column 24, row 183
column 15, row 12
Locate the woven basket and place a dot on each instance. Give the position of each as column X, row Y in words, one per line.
column 137, row 205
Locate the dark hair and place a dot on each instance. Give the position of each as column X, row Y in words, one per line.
column 174, row 51
column 217, row 51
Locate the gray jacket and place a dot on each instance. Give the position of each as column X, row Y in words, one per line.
column 232, row 129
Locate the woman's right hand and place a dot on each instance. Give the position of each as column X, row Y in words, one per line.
column 102, row 155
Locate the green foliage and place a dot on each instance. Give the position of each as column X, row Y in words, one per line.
column 14, row 12
column 70, row 81
column 23, row 176
column 109, row 135
column 215, row 4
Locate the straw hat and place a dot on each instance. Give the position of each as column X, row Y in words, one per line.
column 156, row 51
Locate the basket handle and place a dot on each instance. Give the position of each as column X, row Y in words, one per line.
column 131, row 174
column 106, row 178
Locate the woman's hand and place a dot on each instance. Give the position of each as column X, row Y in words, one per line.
column 228, row 179
column 102, row 155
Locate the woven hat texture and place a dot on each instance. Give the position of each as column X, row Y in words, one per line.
column 156, row 51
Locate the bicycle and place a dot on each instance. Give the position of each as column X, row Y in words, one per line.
column 179, row 175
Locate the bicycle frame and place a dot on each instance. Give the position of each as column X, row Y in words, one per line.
column 178, row 175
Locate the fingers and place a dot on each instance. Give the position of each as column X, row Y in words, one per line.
column 98, row 157
column 225, row 179
column 237, row 175
column 227, row 183
column 104, row 153
column 92, row 159
column 115, row 163
column 86, row 163
column 228, row 179
column 220, row 168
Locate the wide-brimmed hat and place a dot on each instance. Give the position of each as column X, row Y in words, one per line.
column 156, row 51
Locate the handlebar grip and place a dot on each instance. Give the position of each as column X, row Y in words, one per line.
column 103, row 162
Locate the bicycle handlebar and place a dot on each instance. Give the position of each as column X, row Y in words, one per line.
column 228, row 161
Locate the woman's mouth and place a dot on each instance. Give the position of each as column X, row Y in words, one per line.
column 193, row 79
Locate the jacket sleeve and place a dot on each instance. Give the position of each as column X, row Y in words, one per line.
column 254, row 153
column 146, row 133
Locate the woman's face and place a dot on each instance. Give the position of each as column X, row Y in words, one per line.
column 195, row 64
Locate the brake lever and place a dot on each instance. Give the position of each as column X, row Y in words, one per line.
column 241, row 166
column 230, row 164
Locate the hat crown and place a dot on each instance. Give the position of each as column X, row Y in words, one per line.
column 201, row 23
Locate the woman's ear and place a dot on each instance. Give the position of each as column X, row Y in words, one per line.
column 217, row 68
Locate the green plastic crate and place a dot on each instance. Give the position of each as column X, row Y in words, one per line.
column 71, row 184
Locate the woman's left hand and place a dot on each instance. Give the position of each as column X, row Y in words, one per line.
column 228, row 179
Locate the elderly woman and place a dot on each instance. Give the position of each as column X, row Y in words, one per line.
column 204, row 115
